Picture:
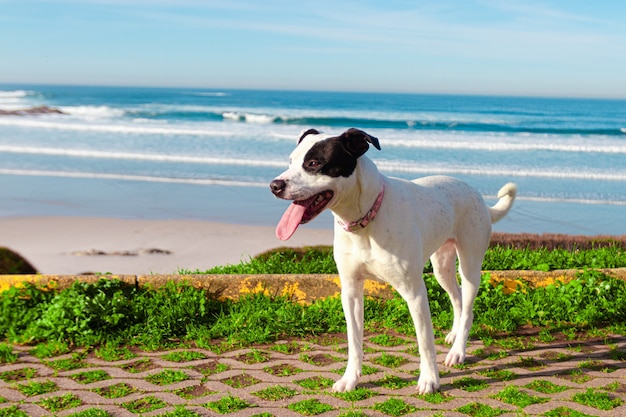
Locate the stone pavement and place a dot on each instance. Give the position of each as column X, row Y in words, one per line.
column 522, row 375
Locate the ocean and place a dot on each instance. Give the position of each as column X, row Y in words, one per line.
column 209, row 154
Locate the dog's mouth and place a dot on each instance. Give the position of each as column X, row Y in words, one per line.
column 301, row 212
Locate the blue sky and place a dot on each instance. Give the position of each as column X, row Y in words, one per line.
column 544, row 48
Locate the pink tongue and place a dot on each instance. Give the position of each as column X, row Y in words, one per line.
column 290, row 221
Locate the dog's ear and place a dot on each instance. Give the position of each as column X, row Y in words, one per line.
column 307, row 132
column 356, row 141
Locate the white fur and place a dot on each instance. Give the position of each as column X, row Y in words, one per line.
column 433, row 217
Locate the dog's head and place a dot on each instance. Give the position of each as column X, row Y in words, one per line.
column 319, row 167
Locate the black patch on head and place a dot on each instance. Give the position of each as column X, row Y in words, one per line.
column 337, row 156
column 308, row 132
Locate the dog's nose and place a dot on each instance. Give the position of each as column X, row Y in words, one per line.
column 278, row 186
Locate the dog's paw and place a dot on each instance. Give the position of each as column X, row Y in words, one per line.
column 451, row 337
column 345, row 384
column 426, row 385
column 454, row 357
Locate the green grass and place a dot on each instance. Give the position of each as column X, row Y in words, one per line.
column 36, row 388
column 6, row 353
column 91, row 412
column 90, row 376
column 394, row 407
column 275, row 393
column 597, row 399
column 144, row 405
column 12, row 411
column 115, row 391
column 108, row 313
column 228, row 404
column 166, row 377
column 63, row 402
column 311, row 407
column 513, row 395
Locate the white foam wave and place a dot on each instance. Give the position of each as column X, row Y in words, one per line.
column 249, row 117
column 121, row 177
column 93, row 112
column 503, row 145
column 212, row 94
column 57, row 124
column 16, row 94
column 394, row 166
column 82, row 153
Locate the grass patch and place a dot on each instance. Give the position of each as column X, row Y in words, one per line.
column 480, row 410
column 546, row 387
column 91, row 412
column 315, row 383
column 90, row 376
column 597, row 399
column 166, row 377
column 63, row 402
column 470, row 384
column 394, row 407
column 18, row 374
column 275, row 393
column 228, row 404
column 184, row 356
column 36, row 388
column 310, row 407
column 513, row 395
column 358, row 394
column 115, row 391
column 6, row 353
column 144, row 405
column 12, row 411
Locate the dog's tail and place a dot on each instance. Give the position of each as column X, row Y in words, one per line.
column 506, row 196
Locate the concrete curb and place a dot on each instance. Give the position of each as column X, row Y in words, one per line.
column 299, row 287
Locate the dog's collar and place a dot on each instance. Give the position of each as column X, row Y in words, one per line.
column 369, row 216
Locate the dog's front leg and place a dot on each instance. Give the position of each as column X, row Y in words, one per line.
column 352, row 302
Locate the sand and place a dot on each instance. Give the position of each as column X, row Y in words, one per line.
column 74, row 245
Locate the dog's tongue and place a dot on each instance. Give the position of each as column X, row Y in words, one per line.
column 290, row 221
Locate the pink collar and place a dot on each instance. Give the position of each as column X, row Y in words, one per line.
column 369, row 216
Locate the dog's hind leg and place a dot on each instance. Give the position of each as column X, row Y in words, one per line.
column 444, row 268
column 470, row 271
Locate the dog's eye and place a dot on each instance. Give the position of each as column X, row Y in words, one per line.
column 313, row 163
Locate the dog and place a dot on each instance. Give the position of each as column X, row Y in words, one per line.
column 386, row 228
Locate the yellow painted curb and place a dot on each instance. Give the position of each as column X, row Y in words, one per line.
column 299, row 287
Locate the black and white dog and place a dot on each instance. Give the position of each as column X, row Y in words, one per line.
column 386, row 228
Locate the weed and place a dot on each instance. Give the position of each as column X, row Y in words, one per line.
column 184, row 356
column 241, row 381
column 275, row 393
column 180, row 412
column 595, row 399
column 254, row 356
column 499, row 374
column 90, row 376
column 36, row 388
column 394, row 382
column 50, row 348
column 115, row 391
column 18, row 374
column 63, row 402
column 114, row 352
column 480, row 410
column 394, row 407
column 6, row 353
column 564, row 411
column 358, row 394
column 283, row 370
column 436, row 398
column 470, row 384
column 144, row 404
column 167, row 376
column 390, row 361
column 545, row 387
column 74, row 362
column 228, row 404
column 12, row 411
column 91, row 412
column 513, row 395
column 311, row 407
column 315, row 383
column 386, row 340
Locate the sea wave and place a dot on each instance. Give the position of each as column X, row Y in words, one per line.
column 93, row 112
column 410, row 167
column 123, row 177
column 384, row 165
column 16, row 93
column 140, row 128
column 187, row 159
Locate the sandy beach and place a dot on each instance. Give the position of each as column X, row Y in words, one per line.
column 74, row 245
